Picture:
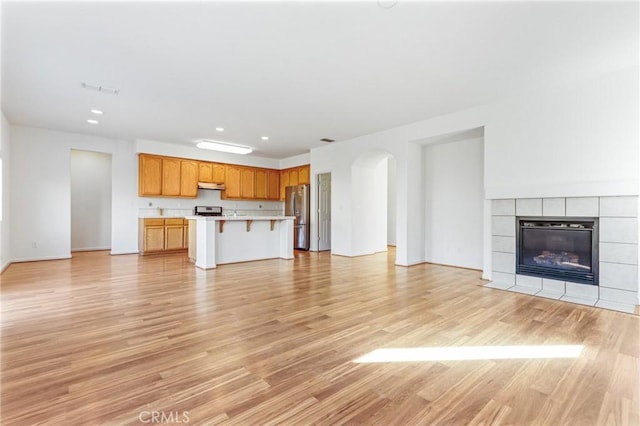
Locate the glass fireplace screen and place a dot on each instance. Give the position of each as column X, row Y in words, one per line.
column 561, row 248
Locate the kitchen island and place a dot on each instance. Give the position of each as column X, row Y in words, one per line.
column 216, row 240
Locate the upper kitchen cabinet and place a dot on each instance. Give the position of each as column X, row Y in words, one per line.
column 210, row 172
column 232, row 177
column 149, row 176
column 167, row 177
column 293, row 176
column 248, row 183
column 284, row 182
column 188, row 178
column 304, row 175
column 205, row 172
column 273, row 184
column 217, row 173
column 171, row 177
column 262, row 184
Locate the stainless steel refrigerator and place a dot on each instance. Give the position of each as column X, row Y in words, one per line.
column 297, row 204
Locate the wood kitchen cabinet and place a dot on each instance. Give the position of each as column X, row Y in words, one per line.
column 293, row 176
column 262, row 184
column 284, row 182
column 188, row 178
column 248, row 183
column 217, row 173
column 205, row 172
column 151, row 235
column 210, row 172
column 162, row 235
column 232, row 177
column 174, row 234
column 149, row 176
column 167, row 177
column 304, row 174
column 171, row 177
column 178, row 177
column 273, row 187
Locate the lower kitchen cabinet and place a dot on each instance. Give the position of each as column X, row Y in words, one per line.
column 174, row 234
column 162, row 235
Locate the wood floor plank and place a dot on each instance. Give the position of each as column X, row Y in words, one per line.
column 101, row 339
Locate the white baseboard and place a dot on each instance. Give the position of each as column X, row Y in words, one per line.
column 90, row 249
column 38, row 259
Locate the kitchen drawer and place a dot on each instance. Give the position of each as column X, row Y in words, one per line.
column 179, row 222
column 154, row 222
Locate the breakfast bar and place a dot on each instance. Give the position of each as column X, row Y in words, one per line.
column 216, row 240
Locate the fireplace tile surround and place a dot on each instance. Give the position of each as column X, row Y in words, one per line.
column 618, row 246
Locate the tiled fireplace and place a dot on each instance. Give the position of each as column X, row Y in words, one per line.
column 564, row 225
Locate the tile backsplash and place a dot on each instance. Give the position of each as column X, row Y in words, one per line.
column 178, row 207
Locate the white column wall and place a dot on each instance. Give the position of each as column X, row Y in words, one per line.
column 5, row 222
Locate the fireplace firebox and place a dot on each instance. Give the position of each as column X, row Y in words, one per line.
column 559, row 248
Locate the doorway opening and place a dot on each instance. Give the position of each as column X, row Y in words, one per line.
column 90, row 201
column 373, row 197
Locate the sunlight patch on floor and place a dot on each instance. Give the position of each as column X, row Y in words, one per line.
column 458, row 353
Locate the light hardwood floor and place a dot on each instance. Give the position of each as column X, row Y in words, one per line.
column 102, row 339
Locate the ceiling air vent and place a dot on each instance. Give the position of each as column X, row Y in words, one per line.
column 101, row 89
column 327, row 140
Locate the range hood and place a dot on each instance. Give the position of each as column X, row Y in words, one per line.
column 207, row 185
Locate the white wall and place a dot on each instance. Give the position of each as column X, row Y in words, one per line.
column 41, row 192
column 454, row 203
column 294, row 161
column 5, row 188
column 90, row 200
column 369, row 204
column 588, row 133
column 581, row 140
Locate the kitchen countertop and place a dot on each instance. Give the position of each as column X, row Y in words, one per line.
column 253, row 217
column 160, row 217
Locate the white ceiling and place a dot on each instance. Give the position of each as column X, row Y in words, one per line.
column 294, row 71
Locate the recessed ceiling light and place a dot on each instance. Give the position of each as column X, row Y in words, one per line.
column 96, row 111
column 223, row 146
column 219, row 129
column 92, row 121
column 265, row 138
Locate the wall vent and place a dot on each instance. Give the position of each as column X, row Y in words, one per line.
column 101, row 89
column 327, row 140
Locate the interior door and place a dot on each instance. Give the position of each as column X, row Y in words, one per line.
column 324, row 211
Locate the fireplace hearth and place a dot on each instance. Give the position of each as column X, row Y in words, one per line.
column 560, row 248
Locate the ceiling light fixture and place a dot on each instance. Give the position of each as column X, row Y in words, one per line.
column 219, row 129
column 265, row 138
column 92, row 121
column 96, row 111
column 223, row 146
